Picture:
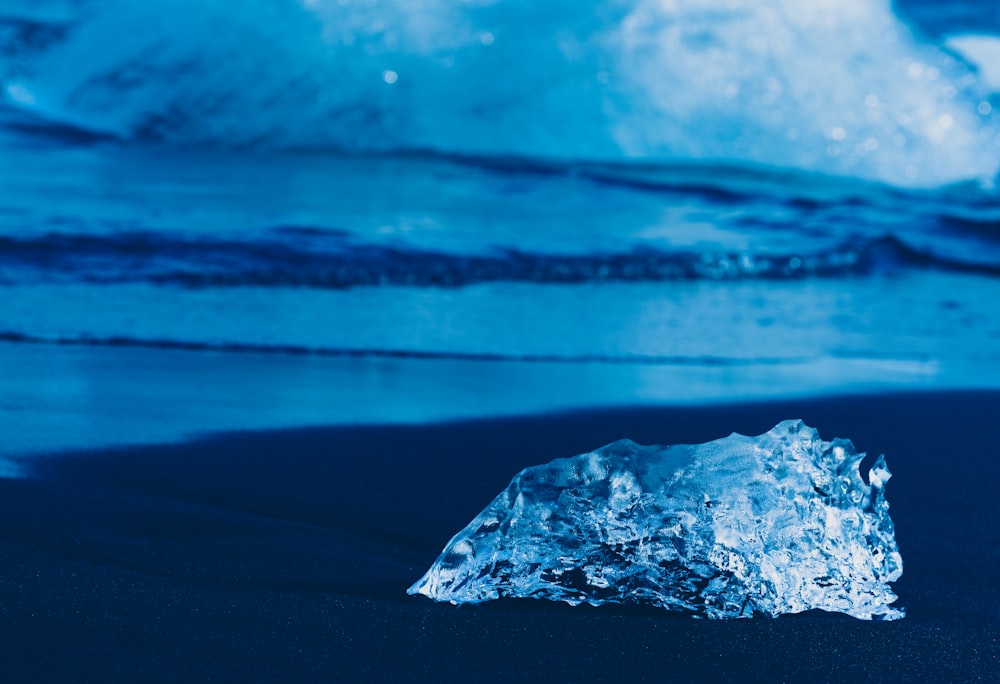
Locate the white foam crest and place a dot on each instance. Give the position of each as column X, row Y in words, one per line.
column 982, row 52
column 842, row 87
column 833, row 87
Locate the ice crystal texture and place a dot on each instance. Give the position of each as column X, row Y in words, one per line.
column 779, row 523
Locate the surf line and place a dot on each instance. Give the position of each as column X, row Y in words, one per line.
column 11, row 337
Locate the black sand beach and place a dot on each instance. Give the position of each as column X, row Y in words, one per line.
column 285, row 556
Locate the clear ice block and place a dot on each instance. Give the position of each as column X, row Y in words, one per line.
column 740, row 526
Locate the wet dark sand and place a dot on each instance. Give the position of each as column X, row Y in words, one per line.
column 285, row 556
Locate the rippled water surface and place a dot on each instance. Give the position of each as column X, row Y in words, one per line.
column 522, row 204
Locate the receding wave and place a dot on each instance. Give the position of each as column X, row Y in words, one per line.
column 200, row 262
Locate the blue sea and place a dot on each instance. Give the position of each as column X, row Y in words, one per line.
column 221, row 216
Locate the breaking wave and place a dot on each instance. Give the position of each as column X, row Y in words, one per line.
column 843, row 88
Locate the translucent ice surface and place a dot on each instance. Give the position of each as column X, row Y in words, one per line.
column 779, row 523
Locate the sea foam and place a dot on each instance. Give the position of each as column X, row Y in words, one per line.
column 841, row 88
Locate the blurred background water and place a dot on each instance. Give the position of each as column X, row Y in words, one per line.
column 218, row 216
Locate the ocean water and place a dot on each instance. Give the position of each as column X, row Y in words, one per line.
column 334, row 211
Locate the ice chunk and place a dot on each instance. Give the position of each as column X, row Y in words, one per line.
column 779, row 523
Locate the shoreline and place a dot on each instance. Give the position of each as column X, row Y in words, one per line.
column 55, row 398
column 287, row 553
